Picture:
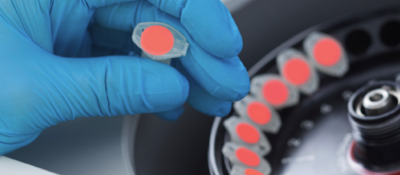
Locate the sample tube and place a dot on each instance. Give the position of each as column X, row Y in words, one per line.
column 159, row 41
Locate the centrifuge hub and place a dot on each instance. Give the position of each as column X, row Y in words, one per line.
column 374, row 115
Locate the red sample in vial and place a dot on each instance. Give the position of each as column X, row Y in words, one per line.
column 247, row 157
column 275, row 92
column 297, row 71
column 157, row 40
column 327, row 52
column 259, row 113
column 247, row 133
column 249, row 171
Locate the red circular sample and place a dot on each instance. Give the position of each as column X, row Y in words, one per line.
column 296, row 71
column 247, row 133
column 249, row 171
column 259, row 113
column 327, row 52
column 157, row 40
column 275, row 92
column 247, row 157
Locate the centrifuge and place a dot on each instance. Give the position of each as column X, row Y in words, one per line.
column 326, row 101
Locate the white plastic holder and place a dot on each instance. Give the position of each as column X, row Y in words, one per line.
column 258, row 82
column 239, row 170
column 336, row 70
column 262, row 147
column 272, row 126
column 180, row 43
column 229, row 151
column 312, row 83
column 166, row 61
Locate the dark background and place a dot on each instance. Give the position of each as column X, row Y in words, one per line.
column 180, row 148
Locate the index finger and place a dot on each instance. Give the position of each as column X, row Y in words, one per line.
column 209, row 22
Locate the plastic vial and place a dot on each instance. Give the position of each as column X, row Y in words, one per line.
column 159, row 41
column 239, row 170
column 296, row 69
column 274, row 90
column 259, row 114
column 244, row 133
column 244, row 157
column 326, row 54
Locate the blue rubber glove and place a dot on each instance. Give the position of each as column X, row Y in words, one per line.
column 49, row 74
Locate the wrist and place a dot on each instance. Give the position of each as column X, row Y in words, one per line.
column 11, row 142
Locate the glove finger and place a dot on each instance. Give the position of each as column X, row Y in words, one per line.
column 68, row 22
column 225, row 79
column 129, row 85
column 208, row 22
column 62, row 89
column 101, row 3
column 118, row 16
column 171, row 115
column 200, row 99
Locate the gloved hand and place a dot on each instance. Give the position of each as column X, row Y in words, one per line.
column 48, row 74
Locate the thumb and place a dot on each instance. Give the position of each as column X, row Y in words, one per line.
column 67, row 88
column 118, row 85
column 45, row 91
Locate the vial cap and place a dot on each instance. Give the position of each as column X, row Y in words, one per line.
column 327, row 52
column 250, row 171
column 259, row 113
column 247, row 133
column 296, row 71
column 247, row 157
column 157, row 40
column 275, row 92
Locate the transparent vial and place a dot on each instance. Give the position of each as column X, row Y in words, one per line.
column 162, row 43
column 248, row 135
